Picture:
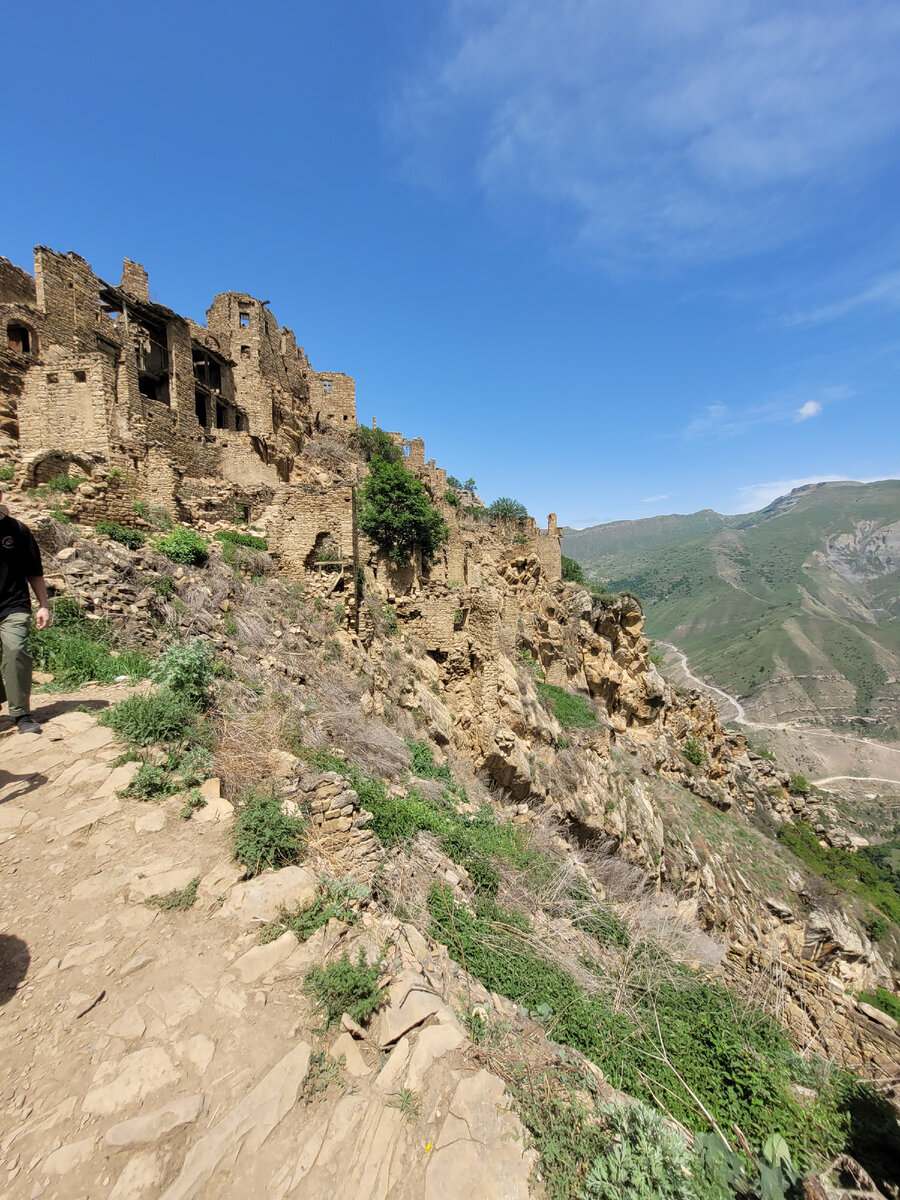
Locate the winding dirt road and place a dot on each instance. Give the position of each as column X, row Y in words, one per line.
column 740, row 718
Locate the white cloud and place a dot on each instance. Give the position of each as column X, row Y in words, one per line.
column 691, row 130
column 811, row 408
column 653, row 499
column 757, row 495
column 884, row 290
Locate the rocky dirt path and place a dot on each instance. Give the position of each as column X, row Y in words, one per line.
column 823, row 735
column 149, row 1054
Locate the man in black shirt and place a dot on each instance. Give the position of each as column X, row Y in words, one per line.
column 20, row 565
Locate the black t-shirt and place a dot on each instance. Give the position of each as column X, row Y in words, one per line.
column 20, row 560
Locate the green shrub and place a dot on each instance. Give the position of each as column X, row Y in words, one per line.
column 345, row 987
column 333, row 900
column 76, row 650
column 186, row 669
column 470, row 485
column 264, row 835
column 248, row 540
column 571, row 571
column 396, row 513
column 453, row 482
column 185, row 547
column 141, row 508
column 859, row 873
column 799, row 785
column 423, row 763
column 64, row 483
column 692, row 750
column 60, row 514
column 644, row 1158
column 883, row 999
column 146, row 720
column 150, row 782
column 7, row 471
column 504, row 508
column 876, row 926
column 451, row 497
column 571, row 711
column 165, row 587
column 132, row 538
column 375, row 443
column 178, row 900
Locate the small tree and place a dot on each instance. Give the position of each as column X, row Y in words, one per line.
column 375, row 443
column 571, row 571
column 506, row 509
column 396, row 513
column 470, row 485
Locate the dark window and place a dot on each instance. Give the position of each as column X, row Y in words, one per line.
column 19, row 339
column 148, row 387
column 240, row 422
column 221, row 417
column 53, row 378
column 245, row 351
column 80, row 376
column 201, row 409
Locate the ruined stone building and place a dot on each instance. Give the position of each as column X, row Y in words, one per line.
column 226, row 422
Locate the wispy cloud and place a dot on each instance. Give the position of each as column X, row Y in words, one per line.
column 661, row 131
column 757, row 495
column 716, row 422
column 811, row 408
column 883, row 290
column 654, row 499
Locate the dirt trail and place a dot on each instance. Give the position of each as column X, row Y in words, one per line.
column 824, row 735
column 148, row 1054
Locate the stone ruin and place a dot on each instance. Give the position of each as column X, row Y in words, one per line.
column 223, row 423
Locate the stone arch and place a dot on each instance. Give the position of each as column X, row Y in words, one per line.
column 48, row 464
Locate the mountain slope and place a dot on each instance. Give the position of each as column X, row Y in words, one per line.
column 795, row 608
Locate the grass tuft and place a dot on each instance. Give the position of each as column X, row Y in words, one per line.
column 264, row 835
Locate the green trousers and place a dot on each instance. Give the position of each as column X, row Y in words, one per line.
column 15, row 663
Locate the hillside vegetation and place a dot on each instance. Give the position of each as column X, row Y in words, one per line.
column 794, row 608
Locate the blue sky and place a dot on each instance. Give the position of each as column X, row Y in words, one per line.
column 612, row 259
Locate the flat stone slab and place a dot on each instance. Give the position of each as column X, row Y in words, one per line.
column 151, row 1126
column 263, row 898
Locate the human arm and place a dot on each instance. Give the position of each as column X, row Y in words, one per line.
column 39, row 587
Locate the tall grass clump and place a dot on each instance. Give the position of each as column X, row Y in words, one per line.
column 188, row 670
column 76, row 650
column 265, row 835
column 147, row 720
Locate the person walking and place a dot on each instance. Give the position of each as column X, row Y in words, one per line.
column 20, row 566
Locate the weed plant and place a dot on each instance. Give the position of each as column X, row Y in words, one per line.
column 176, row 901
column 344, row 986
column 861, row 874
column 333, row 900
column 883, row 999
column 76, row 650
column 185, row 547
column 150, row 782
column 147, row 720
column 187, row 669
column 571, row 711
column 264, row 835
column 132, row 538
column 692, row 750
column 231, row 537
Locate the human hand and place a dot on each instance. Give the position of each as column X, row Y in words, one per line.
column 42, row 617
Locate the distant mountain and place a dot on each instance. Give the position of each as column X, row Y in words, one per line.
column 795, row 608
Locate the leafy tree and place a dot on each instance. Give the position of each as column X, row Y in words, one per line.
column 396, row 513
column 375, row 443
column 470, row 485
column 506, row 509
column 453, row 482
column 571, row 571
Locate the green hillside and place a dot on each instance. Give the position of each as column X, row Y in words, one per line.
column 795, row 608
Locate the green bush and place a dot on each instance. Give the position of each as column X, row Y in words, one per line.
column 146, row 720
column 571, row 711
column 799, row 785
column 333, row 900
column 345, row 987
column 7, row 471
column 375, row 443
column 165, row 587
column 692, row 750
column 504, row 508
column 858, row 873
column 571, row 571
column 396, row 513
column 876, row 926
column 76, row 650
column 453, row 482
column 264, row 835
column 451, row 497
column 185, row 547
column 150, row 782
column 883, row 999
column 64, row 483
column 644, row 1159
column 423, row 763
column 60, row 514
column 232, row 538
column 132, row 538
column 178, row 900
column 186, row 669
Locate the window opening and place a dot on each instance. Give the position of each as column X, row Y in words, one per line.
column 19, row 339
column 206, row 370
column 221, row 417
column 245, row 351
column 244, row 319
column 201, row 409
column 80, row 376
